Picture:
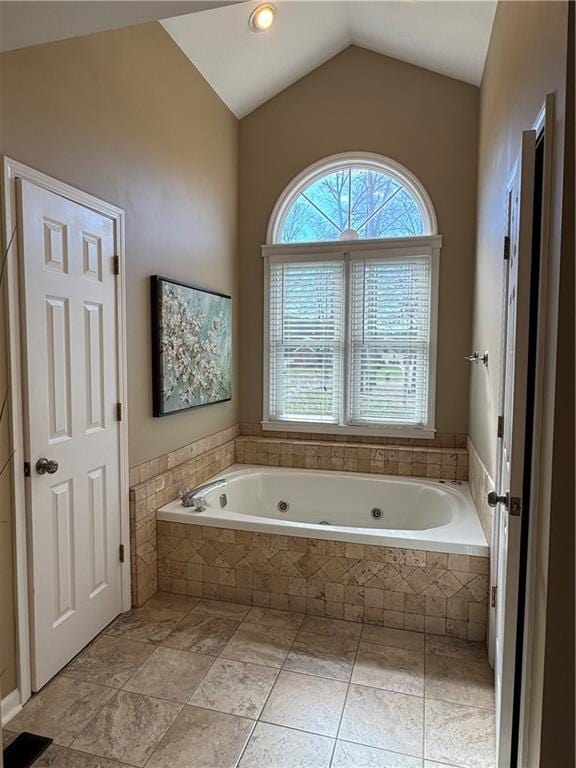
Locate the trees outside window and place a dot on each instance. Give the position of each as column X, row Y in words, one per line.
column 353, row 203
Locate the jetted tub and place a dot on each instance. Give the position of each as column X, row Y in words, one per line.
column 382, row 510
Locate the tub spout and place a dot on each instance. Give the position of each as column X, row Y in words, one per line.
column 195, row 498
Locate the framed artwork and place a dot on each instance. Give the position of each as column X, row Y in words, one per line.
column 191, row 346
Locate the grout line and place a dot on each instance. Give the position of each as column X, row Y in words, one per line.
column 283, row 669
column 424, row 708
column 266, row 666
column 248, row 738
column 386, row 690
column 346, row 696
column 80, row 752
column 387, row 749
column 161, row 739
column 259, row 719
column 298, row 730
column 288, row 728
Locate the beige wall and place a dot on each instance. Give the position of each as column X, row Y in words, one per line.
column 125, row 116
column 526, row 60
column 361, row 100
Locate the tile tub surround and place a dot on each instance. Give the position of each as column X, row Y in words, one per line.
column 401, row 588
column 159, row 481
column 159, row 466
column 440, row 439
column 156, row 482
column 480, row 485
column 405, row 460
column 323, row 693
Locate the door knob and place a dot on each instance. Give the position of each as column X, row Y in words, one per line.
column 44, row 466
column 494, row 499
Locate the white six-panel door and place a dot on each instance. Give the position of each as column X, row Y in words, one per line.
column 70, row 366
column 511, row 450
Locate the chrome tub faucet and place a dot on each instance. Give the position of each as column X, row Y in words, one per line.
column 195, row 497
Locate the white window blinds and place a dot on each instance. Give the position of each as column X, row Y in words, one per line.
column 351, row 338
column 306, row 341
column 390, row 301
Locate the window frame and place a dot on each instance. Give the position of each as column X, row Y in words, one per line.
column 422, row 245
column 342, row 161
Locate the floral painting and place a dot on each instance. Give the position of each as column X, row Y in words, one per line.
column 192, row 346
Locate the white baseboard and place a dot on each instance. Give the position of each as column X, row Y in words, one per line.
column 10, row 706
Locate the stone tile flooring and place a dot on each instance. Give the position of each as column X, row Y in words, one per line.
column 187, row 683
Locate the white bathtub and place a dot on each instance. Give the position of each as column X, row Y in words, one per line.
column 432, row 515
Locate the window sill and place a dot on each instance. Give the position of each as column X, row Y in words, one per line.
column 424, row 433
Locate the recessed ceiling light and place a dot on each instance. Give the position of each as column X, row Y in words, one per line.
column 262, row 17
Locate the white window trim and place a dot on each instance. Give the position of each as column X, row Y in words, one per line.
column 410, row 246
column 367, row 160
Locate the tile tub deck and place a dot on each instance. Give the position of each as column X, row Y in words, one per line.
column 432, row 592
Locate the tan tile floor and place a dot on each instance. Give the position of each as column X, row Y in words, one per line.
column 187, row 683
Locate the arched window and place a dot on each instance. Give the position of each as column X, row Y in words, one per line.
column 351, row 197
column 351, row 298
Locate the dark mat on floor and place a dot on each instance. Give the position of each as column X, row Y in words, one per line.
column 25, row 750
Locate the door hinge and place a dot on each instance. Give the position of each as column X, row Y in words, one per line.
column 121, row 553
column 27, row 469
column 118, row 411
column 500, row 426
column 116, row 264
column 506, row 247
column 493, row 596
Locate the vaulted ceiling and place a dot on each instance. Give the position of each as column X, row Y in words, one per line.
column 246, row 68
column 31, row 22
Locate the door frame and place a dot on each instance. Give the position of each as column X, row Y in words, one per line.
column 533, row 645
column 12, row 170
column 539, row 463
column 496, row 480
column 542, row 458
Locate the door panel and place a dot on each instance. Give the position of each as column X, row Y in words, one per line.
column 70, row 364
column 63, row 551
column 511, row 450
column 98, row 528
column 55, row 246
column 58, row 367
column 94, row 366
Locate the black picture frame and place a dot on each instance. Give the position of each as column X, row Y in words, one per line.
column 157, row 297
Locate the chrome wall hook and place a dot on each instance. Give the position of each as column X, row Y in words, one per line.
column 476, row 357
